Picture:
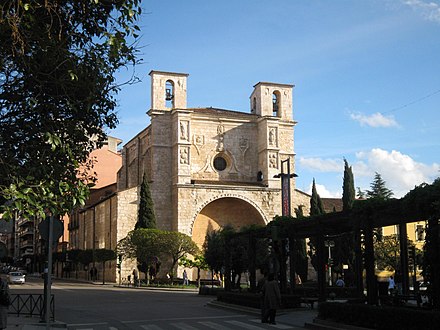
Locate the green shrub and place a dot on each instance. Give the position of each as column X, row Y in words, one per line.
column 379, row 317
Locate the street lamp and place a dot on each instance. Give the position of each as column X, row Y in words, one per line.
column 285, row 186
column 330, row 244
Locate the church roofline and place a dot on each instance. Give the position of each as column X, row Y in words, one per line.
column 169, row 73
column 273, row 84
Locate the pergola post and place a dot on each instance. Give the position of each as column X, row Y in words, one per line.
column 403, row 243
column 292, row 243
column 358, row 262
column 320, row 252
column 252, row 256
column 369, row 266
column 227, row 263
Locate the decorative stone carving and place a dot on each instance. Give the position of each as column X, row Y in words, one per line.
column 267, row 199
column 244, row 145
column 184, row 155
column 199, row 142
column 273, row 160
column 184, row 130
column 273, row 137
column 220, row 132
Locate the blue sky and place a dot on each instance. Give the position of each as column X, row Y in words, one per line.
column 366, row 75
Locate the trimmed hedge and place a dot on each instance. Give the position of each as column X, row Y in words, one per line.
column 379, row 317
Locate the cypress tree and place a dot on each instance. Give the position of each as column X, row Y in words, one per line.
column 316, row 207
column 348, row 192
column 146, row 216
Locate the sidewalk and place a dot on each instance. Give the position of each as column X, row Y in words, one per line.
column 295, row 317
column 29, row 323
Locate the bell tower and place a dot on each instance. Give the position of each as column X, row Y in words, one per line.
column 272, row 102
column 271, row 99
column 168, row 90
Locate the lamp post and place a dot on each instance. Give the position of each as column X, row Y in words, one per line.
column 285, row 186
column 329, row 244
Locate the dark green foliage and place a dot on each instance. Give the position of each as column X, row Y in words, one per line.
column 57, row 65
column 146, row 215
column 360, row 194
column 147, row 245
column 379, row 317
column 85, row 257
column 431, row 259
column 343, row 252
column 379, row 189
column 103, row 255
column 316, row 207
column 348, row 193
column 214, row 250
column 300, row 248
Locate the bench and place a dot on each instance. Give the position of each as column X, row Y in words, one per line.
column 309, row 301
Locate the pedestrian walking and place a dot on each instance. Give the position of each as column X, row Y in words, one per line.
column 5, row 300
column 340, row 282
column 272, row 299
column 391, row 285
column 185, row 278
column 135, row 277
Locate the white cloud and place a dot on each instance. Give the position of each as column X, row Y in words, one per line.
column 428, row 10
column 374, row 120
column 323, row 192
column 400, row 171
column 322, row 165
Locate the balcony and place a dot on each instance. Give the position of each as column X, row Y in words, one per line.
column 26, row 243
column 28, row 252
column 27, row 231
column 23, row 221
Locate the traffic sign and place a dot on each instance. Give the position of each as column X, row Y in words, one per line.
column 58, row 229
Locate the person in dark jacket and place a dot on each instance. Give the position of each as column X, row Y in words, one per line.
column 4, row 303
column 272, row 299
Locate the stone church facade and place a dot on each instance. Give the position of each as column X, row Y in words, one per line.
column 209, row 167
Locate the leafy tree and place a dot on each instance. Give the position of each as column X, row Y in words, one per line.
column 198, row 262
column 176, row 246
column 73, row 256
column 379, row 189
column 57, row 95
column 141, row 244
column 85, row 257
column 146, row 216
column 348, row 193
column 214, row 250
column 387, row 252
column 104, row 255
column 147, row 244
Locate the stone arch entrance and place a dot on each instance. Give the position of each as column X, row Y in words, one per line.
column 224, row 211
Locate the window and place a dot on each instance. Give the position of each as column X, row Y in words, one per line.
column 254, row 105
column 220, row 163
column 420, row 233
